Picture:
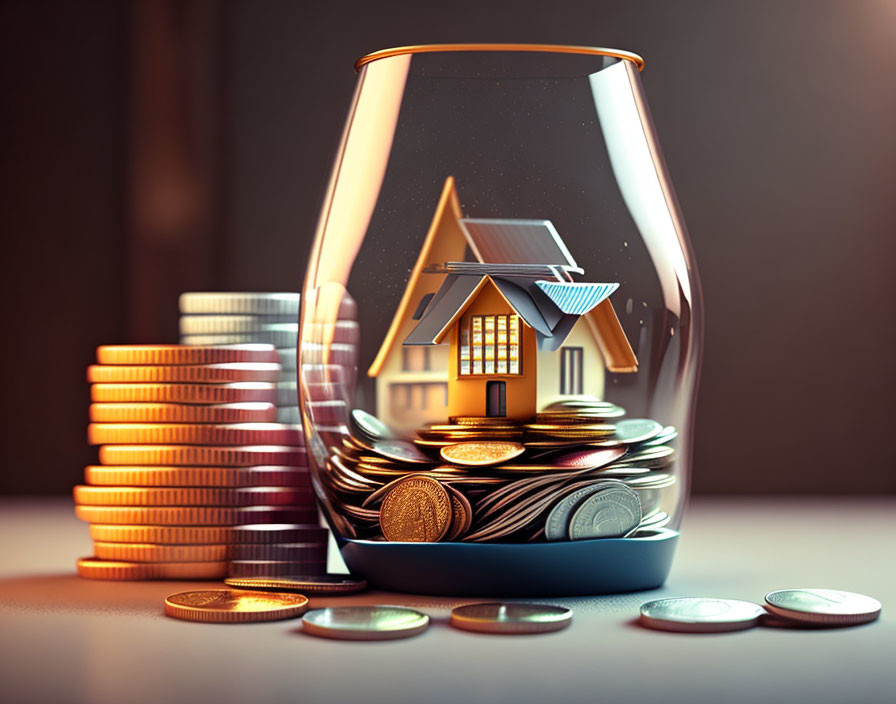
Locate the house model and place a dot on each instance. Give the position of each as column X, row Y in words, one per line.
column 499, row 336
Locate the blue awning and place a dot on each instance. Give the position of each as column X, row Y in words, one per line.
column 575, row 298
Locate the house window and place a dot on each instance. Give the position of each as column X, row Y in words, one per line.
column 490, row 344
column 571, row 370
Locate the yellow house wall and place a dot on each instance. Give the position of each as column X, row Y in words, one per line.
column 466, row 394
column 593, row 367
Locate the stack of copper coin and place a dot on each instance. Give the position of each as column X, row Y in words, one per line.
column 196, row 479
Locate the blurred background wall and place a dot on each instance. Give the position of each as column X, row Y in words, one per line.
column 155, row 146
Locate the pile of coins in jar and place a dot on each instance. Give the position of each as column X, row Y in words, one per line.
column 579, row 470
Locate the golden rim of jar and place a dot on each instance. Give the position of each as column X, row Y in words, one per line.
column 547, row 48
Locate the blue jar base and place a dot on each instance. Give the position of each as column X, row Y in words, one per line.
column 574, row 568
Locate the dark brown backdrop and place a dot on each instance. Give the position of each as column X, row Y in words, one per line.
column 151, row 147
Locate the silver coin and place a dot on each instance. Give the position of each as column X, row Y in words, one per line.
column 651, row 457
column 287, row 358
column 668, row 434
column 371, row 426
column 556, row 526
column 655, row 520
column 608, row 513
column 400, row 451
column 830, row 607
column 635, row 430
column 365, row 622
column 700, row 615
column 288, row 414
column 516, row 619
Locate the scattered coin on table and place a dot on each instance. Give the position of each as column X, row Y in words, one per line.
column 365, row 622
column 700, row 615
column 826, row 607
column 784, row 608
column 510, row 618
column 234, row 606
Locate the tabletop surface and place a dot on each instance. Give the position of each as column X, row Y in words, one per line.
column 64, row 639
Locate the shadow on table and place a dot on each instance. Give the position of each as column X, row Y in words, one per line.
column 50, row 593
column 67, row 592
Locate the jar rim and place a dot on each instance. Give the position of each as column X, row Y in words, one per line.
column 547, row 48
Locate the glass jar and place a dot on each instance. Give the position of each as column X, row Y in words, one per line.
column 501, row 327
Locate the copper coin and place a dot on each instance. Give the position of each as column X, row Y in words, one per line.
column 92, row 568
column 417, row 509
column 203, row 455
column 183, row 413
column 197, row 476
column 194, row 434
column 234, row 606
column 461, row 514
column 183, row 354
column 254, row 391
column 183, row 373
column 195, row 515
column 191, row 496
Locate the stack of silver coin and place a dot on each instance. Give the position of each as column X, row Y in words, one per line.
column 226, row 318
column 236, row 317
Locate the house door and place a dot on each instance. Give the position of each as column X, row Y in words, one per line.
column 496, row 398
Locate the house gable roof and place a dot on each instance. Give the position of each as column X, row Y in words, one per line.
column 518, row 241
column 444, row 242
column 458, row 292
column 450, row 233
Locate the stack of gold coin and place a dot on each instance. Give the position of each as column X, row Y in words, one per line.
column 195, row 474
column 577, row 470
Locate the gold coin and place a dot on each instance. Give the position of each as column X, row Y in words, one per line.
column 424, row 442
column 141, row 552
column 92, row 568
column 417, row 509
column 481, row 454
column 246, row 391
column 189, row 455
column 208, row 535
column 184, row 373
column 191, row 496
column 183, row 413
column 196, row 476
column 572, row 430
column 184, row 354
column 234, row 606
column 483, row 421
column 195, row 515
column 194, row 434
